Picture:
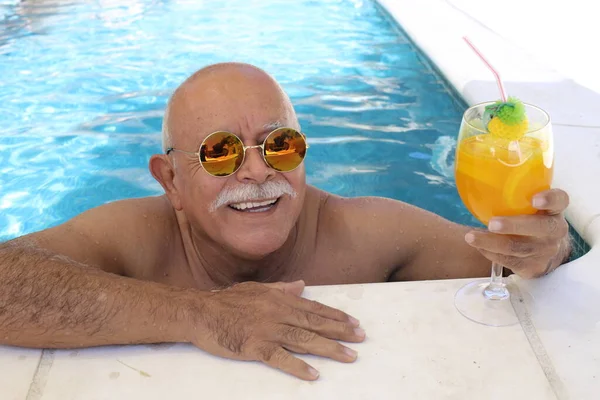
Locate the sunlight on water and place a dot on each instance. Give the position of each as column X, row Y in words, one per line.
column 84, row 85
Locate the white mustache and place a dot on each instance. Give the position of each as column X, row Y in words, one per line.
column 249, row 192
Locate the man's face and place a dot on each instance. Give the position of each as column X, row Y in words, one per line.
column 250, row 107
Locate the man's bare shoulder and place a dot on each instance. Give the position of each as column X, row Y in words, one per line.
column 387, row 235
column 367, row 234
column 376, row 211
column 116, row 236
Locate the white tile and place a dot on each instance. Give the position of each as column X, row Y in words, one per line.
column 577, row 170
column 527, row 72
column 563, row 307
column 565, row 312
column 17, row 367
column 418, row 346
column 593, row 231
column 565, row 49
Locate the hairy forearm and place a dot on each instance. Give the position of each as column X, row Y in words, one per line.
column 50, row 301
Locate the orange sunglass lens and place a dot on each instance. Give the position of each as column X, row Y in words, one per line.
column 221, row 153
column 285, row 149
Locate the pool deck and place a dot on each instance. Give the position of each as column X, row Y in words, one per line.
column 542, row 55
column 418, row 346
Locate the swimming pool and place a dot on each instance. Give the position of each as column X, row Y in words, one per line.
column 85, row 85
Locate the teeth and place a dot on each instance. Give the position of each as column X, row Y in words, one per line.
column 243, row 206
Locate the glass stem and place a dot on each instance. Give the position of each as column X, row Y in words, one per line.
column 496, row 290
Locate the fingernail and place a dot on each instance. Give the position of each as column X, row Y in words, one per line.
column 350, row 353
column 539, row 202
column 354, row 321
column 495, row 225
column 469, row 238
column 360, row 332
column 313, row 372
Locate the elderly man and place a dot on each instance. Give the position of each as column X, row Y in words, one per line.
column 221, row 259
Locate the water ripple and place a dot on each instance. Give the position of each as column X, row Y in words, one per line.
column 84, row 85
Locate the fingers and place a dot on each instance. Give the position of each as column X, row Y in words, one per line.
column 325, row 327
column 526, row 256
column 275, row 356
column 553, row 201
column 324, row 320
column 303, row 313
column 530, row 225
column 517, row 246
column 524, row 267
column 294, row 288
column 303, row 341
column 276, row 319
column 295, row 301
column 319, row 309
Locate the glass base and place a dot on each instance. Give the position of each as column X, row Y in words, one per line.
column 496, row 311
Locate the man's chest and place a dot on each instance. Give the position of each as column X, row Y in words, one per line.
column 343, row 265
column 329, row 262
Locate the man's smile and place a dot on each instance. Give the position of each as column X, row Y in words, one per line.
column 255, row 206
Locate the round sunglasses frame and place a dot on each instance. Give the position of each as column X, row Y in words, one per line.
column 257, row 146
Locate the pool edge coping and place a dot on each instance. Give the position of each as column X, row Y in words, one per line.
column 456, row 72
column 444, row 48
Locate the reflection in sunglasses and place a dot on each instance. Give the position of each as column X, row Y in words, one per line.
column 222, row 153
column 285, row 151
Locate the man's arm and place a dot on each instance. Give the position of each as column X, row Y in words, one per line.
column 415, row 243
column 48, row 300
column 60, row 287
column 424, row 246
column 49, row 297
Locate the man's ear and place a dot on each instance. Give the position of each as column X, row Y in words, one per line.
column 163, row 171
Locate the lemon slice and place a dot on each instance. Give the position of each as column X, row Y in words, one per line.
column 525, row 179
column 516, row 187
column 472, row 153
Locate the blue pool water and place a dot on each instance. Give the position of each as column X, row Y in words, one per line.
column 84, row 85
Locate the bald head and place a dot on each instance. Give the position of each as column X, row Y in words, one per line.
column 235, row 97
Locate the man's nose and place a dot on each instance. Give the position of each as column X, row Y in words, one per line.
column 254, row 169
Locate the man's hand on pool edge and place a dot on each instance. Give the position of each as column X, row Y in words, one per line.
column 265, row 322
column 529, row 245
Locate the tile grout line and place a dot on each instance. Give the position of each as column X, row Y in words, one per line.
column 33, row 377
column 536, row 344
column 40, row 377
column 576, row 126
column 584, row 233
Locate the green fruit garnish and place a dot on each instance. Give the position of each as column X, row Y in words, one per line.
column 511, row 112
